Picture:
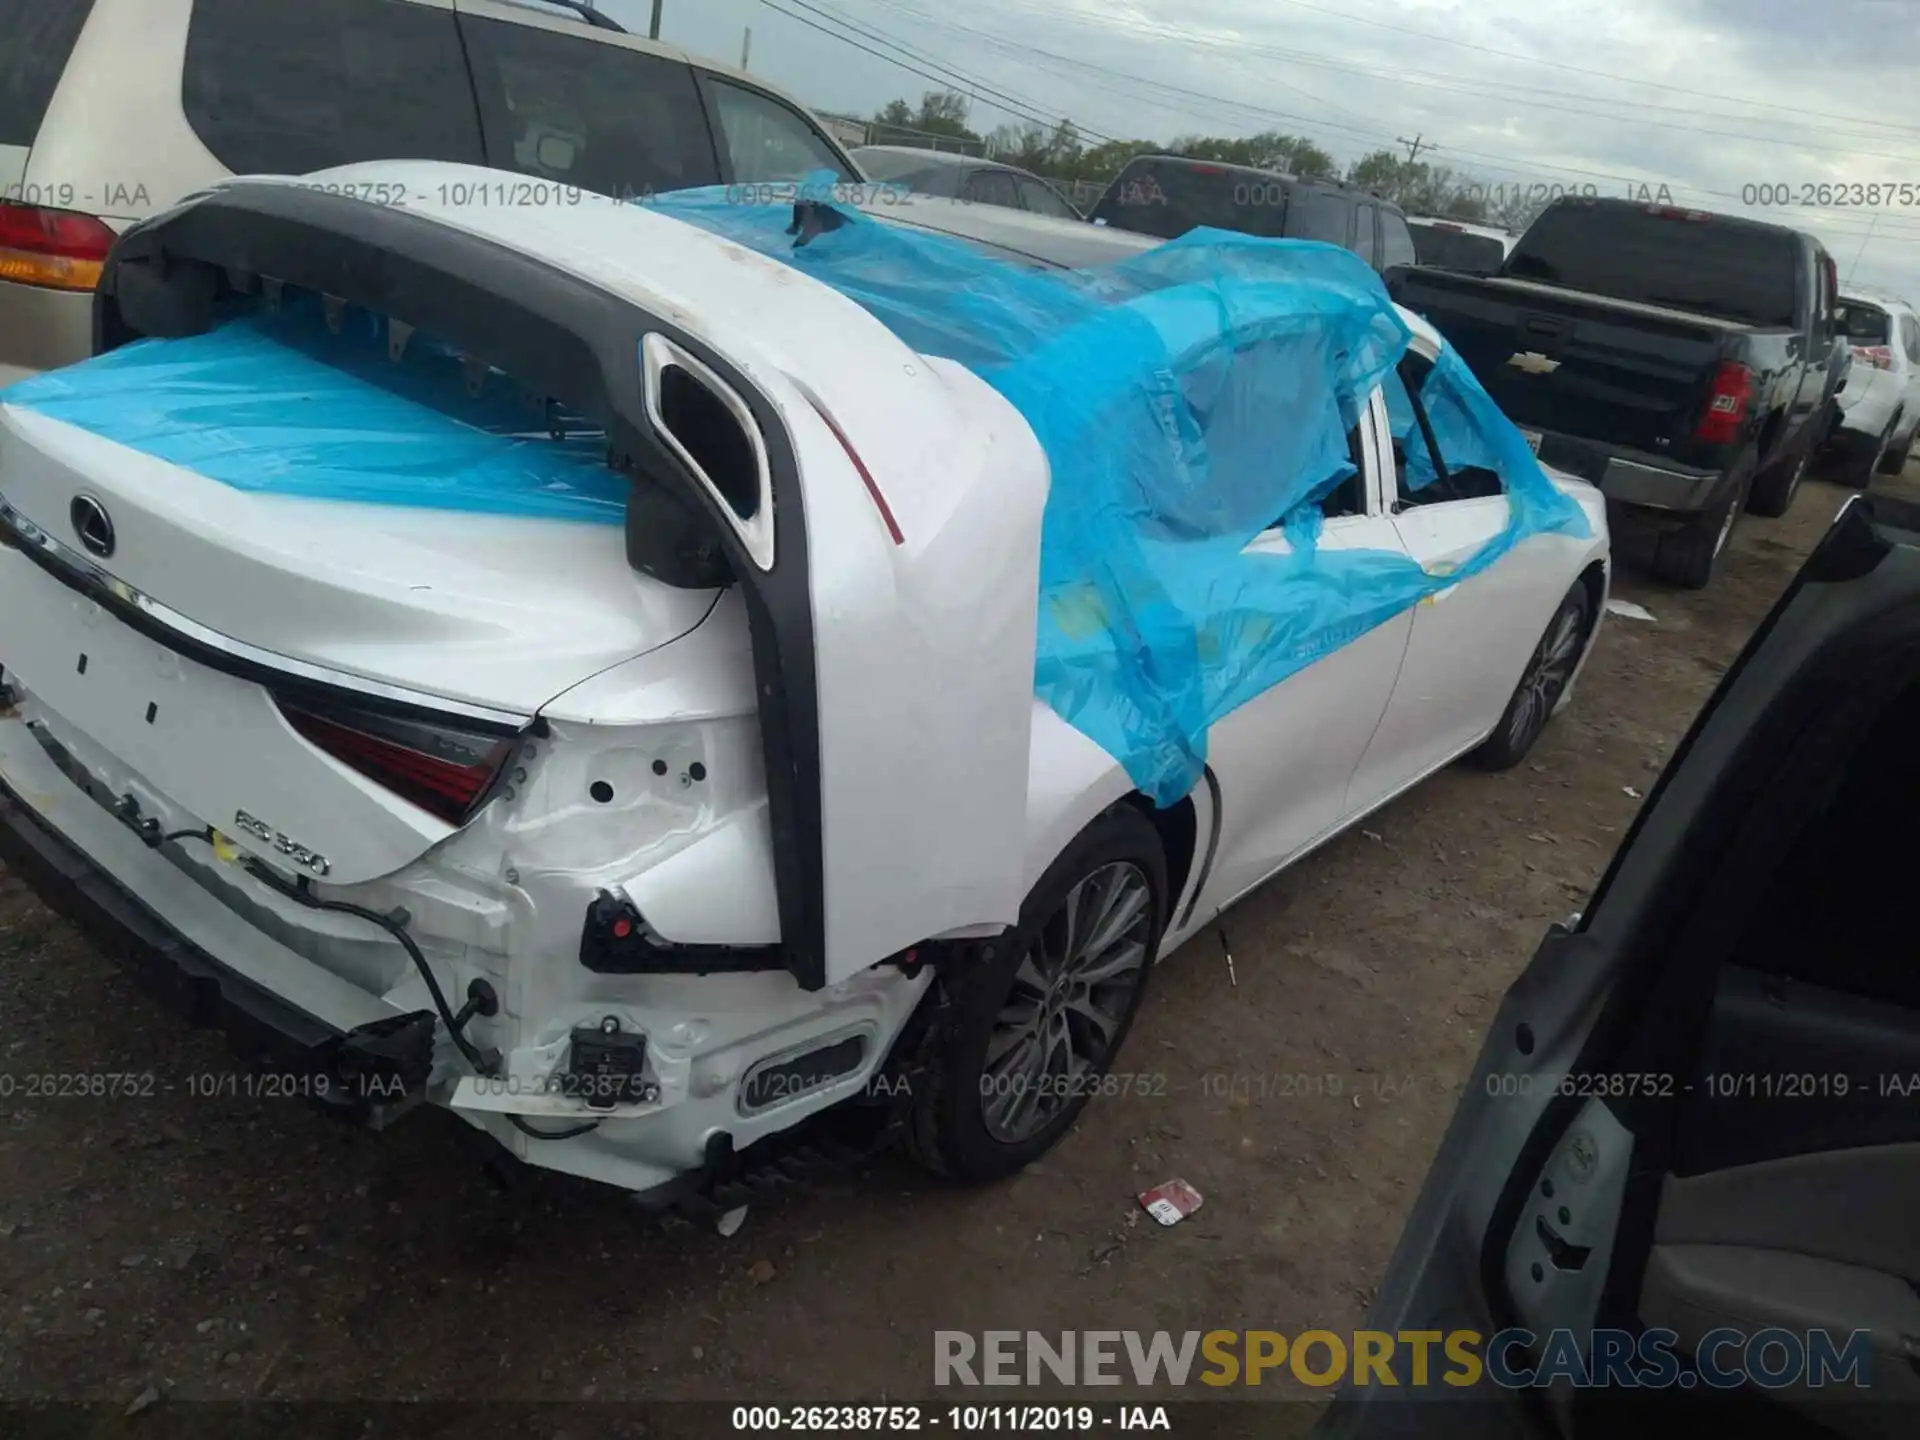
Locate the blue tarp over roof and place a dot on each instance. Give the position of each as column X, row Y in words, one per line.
column 1188, row 399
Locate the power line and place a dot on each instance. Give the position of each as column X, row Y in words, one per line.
column 1584, row 70
column 1466, row 85
column 1510, row 164
column 944, row 81
column 1080, row 69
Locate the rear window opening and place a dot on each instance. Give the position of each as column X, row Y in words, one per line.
column 1447, row 248
column 1679, row 260
column 1863, row 323
column 288, row 392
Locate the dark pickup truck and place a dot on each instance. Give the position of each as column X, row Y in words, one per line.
column 1682, row 361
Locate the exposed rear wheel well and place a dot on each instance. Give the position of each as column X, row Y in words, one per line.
column 1178, row 829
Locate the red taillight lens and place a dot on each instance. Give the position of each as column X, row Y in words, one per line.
column 860, row 466
column 1878, row 356
column 444, row 770
column 59, row 249
column 1727, row 401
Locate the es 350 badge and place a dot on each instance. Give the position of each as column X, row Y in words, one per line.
column 299, row 854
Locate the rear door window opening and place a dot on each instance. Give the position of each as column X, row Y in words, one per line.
column 288, row 89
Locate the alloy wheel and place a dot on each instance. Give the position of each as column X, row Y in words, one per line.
column 1070, row 996
column 1547, row 675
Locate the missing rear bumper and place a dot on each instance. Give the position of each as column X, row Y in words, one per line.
column 372, row 1073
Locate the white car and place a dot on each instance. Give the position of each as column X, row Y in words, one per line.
column 638, row 858
column 1879, row 406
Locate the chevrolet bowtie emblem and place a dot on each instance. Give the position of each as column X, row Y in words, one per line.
column 1533, row 362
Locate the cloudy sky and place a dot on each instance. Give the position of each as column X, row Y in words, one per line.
column 1707, row 97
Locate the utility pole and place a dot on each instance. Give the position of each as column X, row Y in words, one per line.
column 746, row 46
column 653, row 30
column 1414, row 146
column 1871, row 223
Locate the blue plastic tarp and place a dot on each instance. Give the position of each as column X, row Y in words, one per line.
column 280, row 403
column 1188, row 399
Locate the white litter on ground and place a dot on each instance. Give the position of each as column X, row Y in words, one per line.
column 1630, row 611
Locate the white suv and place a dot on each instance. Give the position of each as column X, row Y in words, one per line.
column 113, row 110
column 1880, row 403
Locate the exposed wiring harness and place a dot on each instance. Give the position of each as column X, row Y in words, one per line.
column 300, row 891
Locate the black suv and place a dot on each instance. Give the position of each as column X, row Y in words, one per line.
column 1168, row 195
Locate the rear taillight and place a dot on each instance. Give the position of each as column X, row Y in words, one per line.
column 1727, row 401
column 445, row 770
column 60, row 249
column 1878, row 356
column 860, row 467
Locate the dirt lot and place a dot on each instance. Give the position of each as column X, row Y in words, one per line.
column 225, row 1248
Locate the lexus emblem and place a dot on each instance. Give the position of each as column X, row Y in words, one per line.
column 92, row 524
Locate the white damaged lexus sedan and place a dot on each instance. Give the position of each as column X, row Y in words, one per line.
column 698, row 809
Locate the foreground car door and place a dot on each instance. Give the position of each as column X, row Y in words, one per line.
column 1283, row 759
column 1695, row 1126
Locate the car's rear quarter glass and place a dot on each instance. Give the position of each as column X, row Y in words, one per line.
column 1396, row 243
column 36, row 40
column 1710, row 266
column 1456, row 249
column 1319, row 215
column 285, row 89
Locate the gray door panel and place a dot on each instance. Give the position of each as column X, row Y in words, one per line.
column 1855, row 1207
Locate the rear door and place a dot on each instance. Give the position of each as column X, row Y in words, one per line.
column 1470, row 641
column 1284, row 759
column 1695, row 1126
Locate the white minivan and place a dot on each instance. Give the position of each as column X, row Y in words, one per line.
column 113, row 110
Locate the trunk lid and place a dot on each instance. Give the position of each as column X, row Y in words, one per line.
column 271, row 620
column 1617, row 371
column 497, row 611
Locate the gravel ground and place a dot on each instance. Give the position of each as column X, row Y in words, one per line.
column 225, row 1248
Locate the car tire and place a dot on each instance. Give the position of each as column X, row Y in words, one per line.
column 1549, row 671
column 1859, row 468
column 1686, row 556
column 978, row 1118
column 1773, row 491
column 1895, row 460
